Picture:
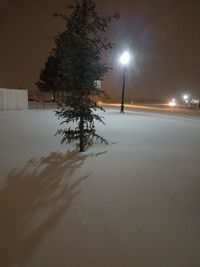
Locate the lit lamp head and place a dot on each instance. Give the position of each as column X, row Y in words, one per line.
column 124, row 58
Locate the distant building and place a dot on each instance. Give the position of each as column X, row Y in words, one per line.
column 13, row 99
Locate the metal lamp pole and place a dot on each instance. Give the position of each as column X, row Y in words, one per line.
column 124, row 60
column 123, row 90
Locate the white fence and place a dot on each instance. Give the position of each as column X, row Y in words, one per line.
column 13, row 99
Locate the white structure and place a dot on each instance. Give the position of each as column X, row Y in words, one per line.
column 13, row 99
column 97, row 84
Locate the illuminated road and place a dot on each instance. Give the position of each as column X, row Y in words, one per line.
column 159, row 108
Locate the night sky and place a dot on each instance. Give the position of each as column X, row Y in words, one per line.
column 163, row 35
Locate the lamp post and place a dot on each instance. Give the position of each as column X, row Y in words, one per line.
column 124, row 60
column 186, row 99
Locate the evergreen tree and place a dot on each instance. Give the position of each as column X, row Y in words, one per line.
column 73, row 67
column 49, row 76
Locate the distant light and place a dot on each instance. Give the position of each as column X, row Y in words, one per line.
column 195, row 101
column 185, row 97
column 172, row 103
column 124, row 58
column 186, row 101
column 173, row 100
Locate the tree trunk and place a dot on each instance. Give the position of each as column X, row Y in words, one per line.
column 82, row 143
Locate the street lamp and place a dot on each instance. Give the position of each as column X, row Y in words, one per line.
column 124, row 60
column 185, row 97
column 172, row 103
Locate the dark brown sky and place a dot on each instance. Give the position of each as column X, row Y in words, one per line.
column 164, row 35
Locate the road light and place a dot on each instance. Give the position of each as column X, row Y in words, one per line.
column 124, row 60
column 185, row 97
column 172, row 103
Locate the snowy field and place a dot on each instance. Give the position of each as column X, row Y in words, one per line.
column 133, row 203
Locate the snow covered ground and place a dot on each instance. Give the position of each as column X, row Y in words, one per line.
column 135, row 202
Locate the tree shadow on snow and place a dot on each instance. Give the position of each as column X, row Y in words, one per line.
column 32, row 202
